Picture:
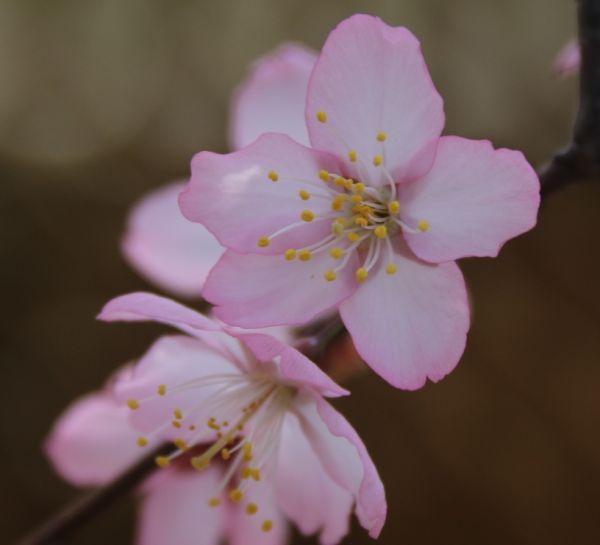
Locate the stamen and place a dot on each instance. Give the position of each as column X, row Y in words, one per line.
column 273, row 176
column 133, row 404
column 304, row 195
column 393, row 207
column 142, row 441
column 267, row 525
column 251, row 509
column 352, row 156
column 321, row 117
column 361, row 274
column 290, row 254
column 214, row 502
column 262, row 242
column 324, row 175
column 336, row 252
column 380, row 231
column 381, row 136
column 162, row 461
column 236, row 495
column 161, row 390
column 330, row 275
column 377, row 160
column 307, row 215
column 423, row 225
column 391, row 268
column 304, row 255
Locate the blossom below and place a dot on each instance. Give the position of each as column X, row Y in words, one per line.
column 248, row 409
column 370, row 218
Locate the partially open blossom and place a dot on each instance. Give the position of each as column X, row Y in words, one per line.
column 253, row 407
column 164, row 246
column 370, row 218
column 568, row 59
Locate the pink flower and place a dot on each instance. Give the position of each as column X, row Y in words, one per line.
column 247, row 412
column 93, row 442
column 370, row 219
column 159, row 242
column 568, row 59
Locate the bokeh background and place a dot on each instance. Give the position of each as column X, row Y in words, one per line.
column 103, row 100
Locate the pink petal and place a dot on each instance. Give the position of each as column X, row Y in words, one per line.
column 243, row 529
column 170, row 361
column 92, row 441
column 474, row 198
column 306, row 492
column 259, row 291
column 345, row 459
column 411, row 325
column 568, row 59
column 290, row 365
column 167, row 249
column 372, row 78
column 273, row 96
column 234, row 198
column 176, row 510
column 141, row 307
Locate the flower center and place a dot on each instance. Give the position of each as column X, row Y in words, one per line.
column 363, row 218
column 238, row 416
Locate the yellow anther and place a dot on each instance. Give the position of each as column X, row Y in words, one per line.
column 247, row 452
column 141, row 441
column 304, row 255
column 337, row 228
column 214, row 502
column 236, row 495
column 321, row 117
column 191, row 427
column 267, row 525
column 176, row 424
column 133, row 404
column 330, row 275
column 363, row 222
column 358, row 187
column 377, row 160
column 162, row 461
column 307, row 215
column 273, row 176
column 262, row 242
column 423, row 225
column 352, row 156
column 338, row 201
column 251, row 509
column 199, row 462
column 225, row 454
column 254, row 472
column 336, row 252
column 380, row 231
column 304, row 195
column 178, row 414
column 381, row 136
column 161, row 390
column 353, row 237
column 393, row 207
column 361, row 274
column 356, row 199
column 290, row 254
column 340, row 182
column 324, row 175
column 390, row 268
column 246, row 472
column 180, row 444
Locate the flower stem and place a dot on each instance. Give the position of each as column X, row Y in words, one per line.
column 581, row 159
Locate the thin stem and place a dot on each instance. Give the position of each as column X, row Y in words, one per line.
column 581, row 159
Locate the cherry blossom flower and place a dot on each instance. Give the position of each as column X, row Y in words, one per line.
column 370, row 219
column 94, row 441
column 176, row 254
column 568, row 59
column 252, row 407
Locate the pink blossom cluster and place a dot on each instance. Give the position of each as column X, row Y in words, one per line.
column 342, row 195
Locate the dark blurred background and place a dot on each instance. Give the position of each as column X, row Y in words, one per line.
column 103, row 100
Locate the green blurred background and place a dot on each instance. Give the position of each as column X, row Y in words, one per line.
column 103, row 100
